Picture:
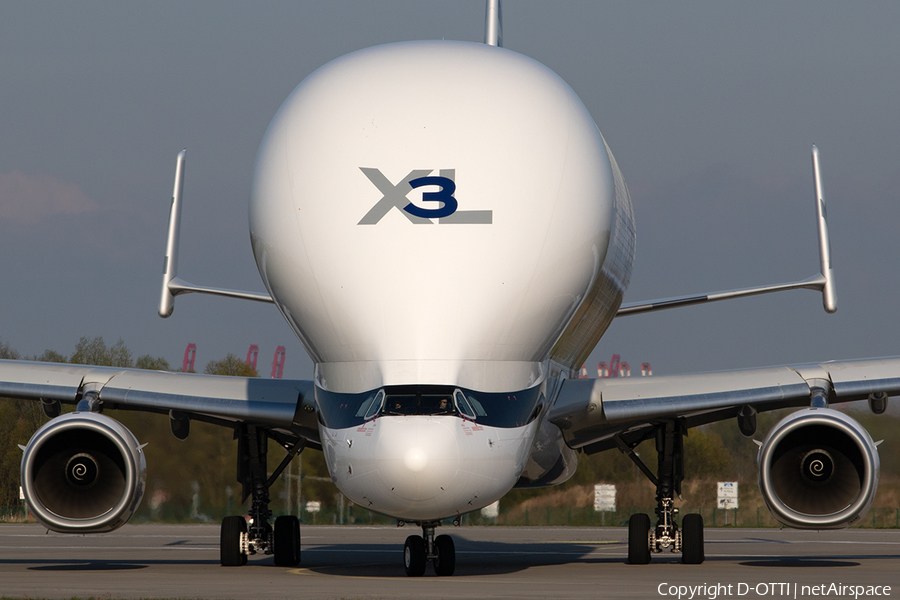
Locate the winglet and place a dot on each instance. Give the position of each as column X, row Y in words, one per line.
column 171, row 284
column 822, row 282
column 829, row 294
column 170, row 266
column 493, row 24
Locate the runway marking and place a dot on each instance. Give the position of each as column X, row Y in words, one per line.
column 479, row 578
column 581, row 542
column 312, row 548
column 117, row 548
column 105, row 535
column 801, row 555
column 799, row 542
column 501, row 552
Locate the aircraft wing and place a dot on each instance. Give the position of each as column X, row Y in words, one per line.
column 592, row 413
column 282, row 405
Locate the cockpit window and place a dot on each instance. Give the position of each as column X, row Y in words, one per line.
column 409, row 400
column 479, row 409
column 462, row 403
column 370, row 407
column 512, row 409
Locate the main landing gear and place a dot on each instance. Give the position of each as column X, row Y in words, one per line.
column 644, row 539
column 239, row 539
column 419, row 549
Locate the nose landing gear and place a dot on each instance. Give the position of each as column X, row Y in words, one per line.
column 419, row 549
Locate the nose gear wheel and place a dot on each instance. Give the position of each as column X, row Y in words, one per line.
column 419, row 549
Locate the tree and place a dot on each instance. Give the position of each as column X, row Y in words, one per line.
column 230, row 365
column 95, row 352
column 52, row 356
column 19, row 419
column 120, row 355
column 15, row 429
column 705, row 456
column 152, row 364
column 6, row 352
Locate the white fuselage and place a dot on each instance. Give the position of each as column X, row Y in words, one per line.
column 438, row 213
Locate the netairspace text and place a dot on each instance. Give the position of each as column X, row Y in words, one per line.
column 711, row 591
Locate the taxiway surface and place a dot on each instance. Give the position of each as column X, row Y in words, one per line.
column 181, row 561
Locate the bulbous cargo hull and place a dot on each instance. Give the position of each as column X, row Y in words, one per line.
column 390, row 174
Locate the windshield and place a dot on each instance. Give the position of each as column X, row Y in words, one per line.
column 417, row 400
column 513, row 409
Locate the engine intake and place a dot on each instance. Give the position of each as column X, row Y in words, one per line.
column 83, row 473
column 818, row 469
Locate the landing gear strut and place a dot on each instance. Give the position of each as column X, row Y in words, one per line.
column 419, row 549
column 644, row 539
column 238, row 539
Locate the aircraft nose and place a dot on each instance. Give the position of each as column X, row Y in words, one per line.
column 419, row 456
column 415, row 459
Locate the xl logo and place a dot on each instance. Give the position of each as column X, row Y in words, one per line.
column 446, row 205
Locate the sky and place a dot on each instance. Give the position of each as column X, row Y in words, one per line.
column 710, row 108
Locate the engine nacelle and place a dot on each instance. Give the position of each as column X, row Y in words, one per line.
column 818, row 469
column 83, row 473
column 550, row 462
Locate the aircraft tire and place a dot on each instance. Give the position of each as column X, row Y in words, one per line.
column 287, row 541
column 692, row 539
column 638, row 539
column 414, row 556
column 445, row 562
column 230, row 554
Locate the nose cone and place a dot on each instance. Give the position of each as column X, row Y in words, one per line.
column 418, row 457
column 415, row 459
column 425, row 467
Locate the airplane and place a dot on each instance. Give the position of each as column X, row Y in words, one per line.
column 448, row 256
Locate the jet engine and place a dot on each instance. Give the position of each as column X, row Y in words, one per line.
column 818, row 469
column 83, row 473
